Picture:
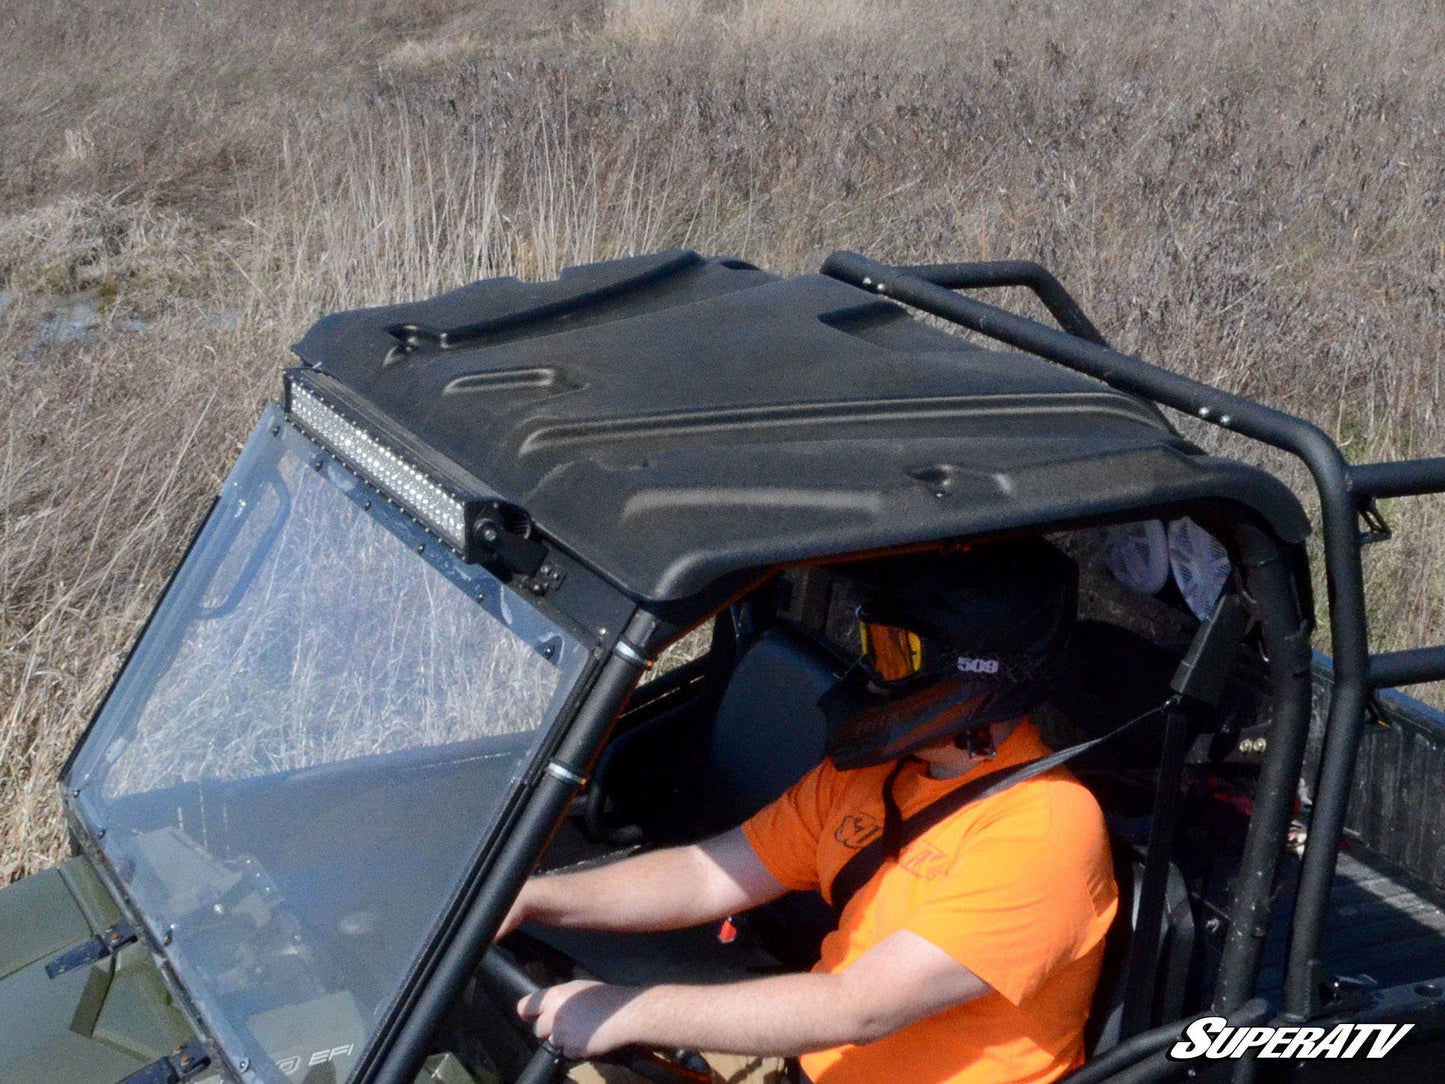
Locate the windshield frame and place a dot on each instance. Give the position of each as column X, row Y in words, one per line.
column 576, row 676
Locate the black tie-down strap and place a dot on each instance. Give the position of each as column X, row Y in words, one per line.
column 859, row 869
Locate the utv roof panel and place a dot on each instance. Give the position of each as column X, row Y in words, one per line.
column 674, row 420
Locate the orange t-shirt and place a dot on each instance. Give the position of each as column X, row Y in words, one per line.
column 1018, row 887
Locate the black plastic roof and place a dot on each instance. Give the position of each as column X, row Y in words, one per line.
column 673, row 420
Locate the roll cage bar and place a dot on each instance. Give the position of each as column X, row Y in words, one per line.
column 1346, row 493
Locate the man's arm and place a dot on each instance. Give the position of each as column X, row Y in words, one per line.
column 901, row 980
column 659, row 890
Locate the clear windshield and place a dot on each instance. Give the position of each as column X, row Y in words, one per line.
column 311, row 742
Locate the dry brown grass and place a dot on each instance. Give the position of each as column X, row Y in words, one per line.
column 1247, row 193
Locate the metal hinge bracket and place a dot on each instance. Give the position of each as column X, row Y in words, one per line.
column 1376, row 529
column 89, row 951
column 505, row 533
column 184, row 1062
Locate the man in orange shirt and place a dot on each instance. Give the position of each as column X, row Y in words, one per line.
column 970, row 954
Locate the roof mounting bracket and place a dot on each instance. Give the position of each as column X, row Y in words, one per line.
column 1204, row 671
column 505, row 531
column 1376, row 529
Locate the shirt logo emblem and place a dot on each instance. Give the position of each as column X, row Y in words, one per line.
column 856, row 830
column 924, row 861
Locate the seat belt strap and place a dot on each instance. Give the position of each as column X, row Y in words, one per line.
column 1141, row 967
column 859, row 869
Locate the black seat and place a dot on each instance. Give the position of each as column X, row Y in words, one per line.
column 658, row 782
column 766, row 734
column 1112, row 675
column 768, row 731
column 1162, row 993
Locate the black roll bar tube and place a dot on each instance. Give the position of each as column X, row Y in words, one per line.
column 1158, row 1066
column 1049, row 290
column 554, row 788
column 1131, row 1050
column 1117, row 1063
column 1392, row 669
column 1349, row 640
column 1285, row 630
column 1408, row 478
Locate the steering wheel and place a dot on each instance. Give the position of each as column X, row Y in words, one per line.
column 509, row 982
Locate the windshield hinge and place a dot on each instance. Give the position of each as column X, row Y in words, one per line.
column 89, row 951
column 184, row 1062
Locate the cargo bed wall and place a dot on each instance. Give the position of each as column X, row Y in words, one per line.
column 1395, row 802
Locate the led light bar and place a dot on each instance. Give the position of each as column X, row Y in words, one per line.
column 419, row 496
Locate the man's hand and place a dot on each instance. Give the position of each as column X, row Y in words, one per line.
column 582, row 1019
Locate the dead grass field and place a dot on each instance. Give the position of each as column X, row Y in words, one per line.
column 1249, row 193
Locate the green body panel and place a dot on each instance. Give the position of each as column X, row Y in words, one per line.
column 445, row 1069
column 96, row 1024
column 44, row 914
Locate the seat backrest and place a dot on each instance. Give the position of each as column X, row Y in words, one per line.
column 1172, row 960
column 768, row 730
column 768, row 733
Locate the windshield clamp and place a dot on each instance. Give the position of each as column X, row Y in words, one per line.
column 91, row 950
column 558, row 770
column 184, row 1062
column 622, row 649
